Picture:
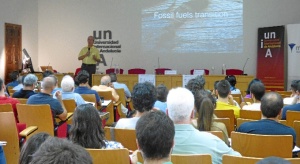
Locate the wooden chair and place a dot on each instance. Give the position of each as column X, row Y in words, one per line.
column 184, row 158
column 250, row 114
column 217, row 133
column 90, row 98
column 296, row 127
column 123, row 99
column 6, row 108
column 126, row 137
column 227, row 123
column 9, row 133
column 40, row 116
column 291, row 116
column 70, row 105
column 227, row 114
column 243, row 104
column 116, row 111
column 107, row 95
column 283, row 122
column 237, row 98
column 248, row 100
column 240, row 121
column 118, row 156
column 11, row 92
column 229, row 159
column 22, row 101
column 253, row 145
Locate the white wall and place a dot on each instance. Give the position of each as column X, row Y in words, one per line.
column 24, row 13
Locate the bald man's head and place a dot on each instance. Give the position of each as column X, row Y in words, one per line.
column 48, row 83
column 105, row 80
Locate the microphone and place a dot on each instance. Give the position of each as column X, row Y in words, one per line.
column 245, row 65
column 89, row 49
column 112, row 59
column 158, row 64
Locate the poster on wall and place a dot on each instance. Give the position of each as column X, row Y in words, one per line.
column 293, row 46
column 270, row 57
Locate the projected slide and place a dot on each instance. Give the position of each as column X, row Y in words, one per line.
column 192, row 26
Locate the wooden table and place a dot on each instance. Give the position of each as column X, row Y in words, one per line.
column 172, row 81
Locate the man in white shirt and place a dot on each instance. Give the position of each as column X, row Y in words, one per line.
column 257, row 90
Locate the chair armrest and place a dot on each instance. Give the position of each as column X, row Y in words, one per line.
column 69, row 115
column 128, row 99
column 117, row 103
column 26, row 132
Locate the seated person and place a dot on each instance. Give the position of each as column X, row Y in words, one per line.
column 106, row 85
column 205, row 106
column 31, row 146
column 257, row 91
column 224, row 97
column 248, row 95
column 68, row 85
column 294, row 107
column 13, row 77
column 196, row 84
column 30, row 82
column 293, row 98
column 118, row 85
column 55, row 150
column 51, row 74
column 232, row 81
column 20, row 83
column 2, row 156
column 188, row 140
column 143, row 99
column 44, row 97
column 83, row 81
column 87, row 131
column 271, row 107
column 155, row 137
column 161, row 95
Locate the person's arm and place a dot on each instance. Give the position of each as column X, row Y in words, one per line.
column 96, row 56
column 115, row 95
column 84, row 56
column 63, row 115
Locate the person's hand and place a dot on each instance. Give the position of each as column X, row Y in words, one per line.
column 88, row 53
column 94, row 57
column 230, row 100
column 58, row 95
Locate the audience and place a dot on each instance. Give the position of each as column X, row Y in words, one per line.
column 232, row 81
column 2, row 156
column 118, row 85
column 196, row 84
column 107, row 86
column 44, row 97
column 161, row 95
column 257, row 90
column 224, row 97
column 248, row 95
column 13, row 77
column 294, row 107
column 155, row 137
column 56, row 84
column 205, row 106
column 29, row 84
column 273, row 160
column 83, row 81
column 214, row 92
column 271, row 106
column 87, row 131
column 293, row 98
column 31, row 146
column 68, row 86
column 188, row 140
column 55, row 150
column 20, row 83
column 8, row 100
column 143, row 99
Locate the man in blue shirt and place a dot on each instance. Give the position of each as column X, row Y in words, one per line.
column 294, row 107
column 271, row 105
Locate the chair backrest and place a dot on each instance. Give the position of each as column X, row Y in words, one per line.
column 9, row 133
column 237, row 98
column 22, row 100
column 227, row 123
column 250, row 114
column 184, row 158
column 229, row 159
column 90, row 98
column 70, row 105
column 219, row 134
column 37, row 115
column 107, row 95
column 240, row 121
column 255, row 145
column 191, row 158
column 6, row 108
column 296, row 127
column 136, row 71
column 161, row 71
column 205, row 70
column 248, row 100
column 112, row 70
column 120, row 156
column 226, row 114
column 291, row 116
column 234, row 72
column 126, row 137
column 11, row 92
column 122, row 96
